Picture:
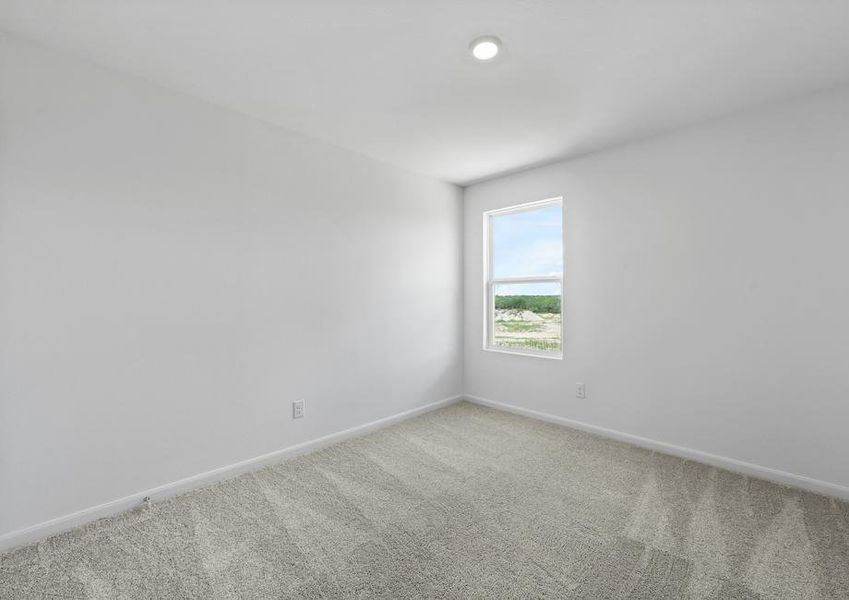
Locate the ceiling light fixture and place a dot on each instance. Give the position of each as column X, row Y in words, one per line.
column 486, row 47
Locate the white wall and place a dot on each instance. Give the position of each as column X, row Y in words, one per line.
column 173, row 275
column 707, row 289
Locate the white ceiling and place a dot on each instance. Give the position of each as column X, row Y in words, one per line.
column 393, row 79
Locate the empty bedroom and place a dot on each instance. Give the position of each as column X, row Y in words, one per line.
column 448, row 299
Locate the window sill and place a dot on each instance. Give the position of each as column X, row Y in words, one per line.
column 530, row 353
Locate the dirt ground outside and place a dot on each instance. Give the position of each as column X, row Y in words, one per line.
column 522, row 329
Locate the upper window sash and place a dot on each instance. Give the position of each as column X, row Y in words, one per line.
column 489, row 259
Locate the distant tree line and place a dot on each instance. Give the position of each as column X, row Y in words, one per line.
column 536, row 304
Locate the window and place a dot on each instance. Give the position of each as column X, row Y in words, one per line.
column 523, row 250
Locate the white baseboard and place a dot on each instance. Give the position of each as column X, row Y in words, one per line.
column 738, row 466
column 43, row 530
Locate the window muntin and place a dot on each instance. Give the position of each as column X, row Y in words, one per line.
column 524, row 279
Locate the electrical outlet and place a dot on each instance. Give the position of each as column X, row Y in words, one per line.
column 298, row 409
column 581, row 391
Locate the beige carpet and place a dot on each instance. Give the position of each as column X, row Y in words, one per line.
column 465, row 502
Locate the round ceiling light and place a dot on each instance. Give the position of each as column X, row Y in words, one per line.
column 486, row 47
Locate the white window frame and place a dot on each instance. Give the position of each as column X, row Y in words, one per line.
column 490, row 282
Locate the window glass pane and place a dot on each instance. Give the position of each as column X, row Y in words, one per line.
column 528, row 242
column 527, row 316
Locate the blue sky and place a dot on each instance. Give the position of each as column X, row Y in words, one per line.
column 528, row 243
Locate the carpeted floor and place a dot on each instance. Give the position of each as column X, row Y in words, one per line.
column 465, row 502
